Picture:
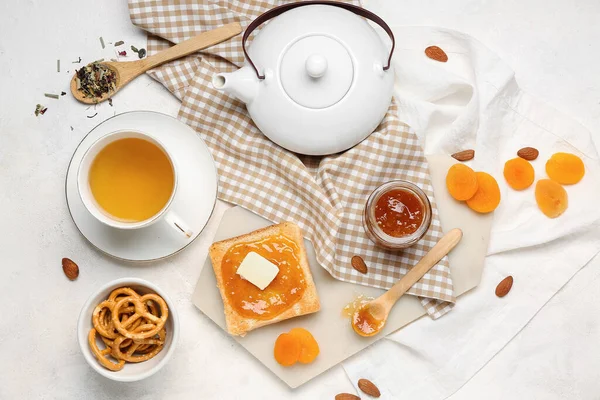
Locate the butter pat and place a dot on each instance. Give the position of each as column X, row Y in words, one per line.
column 257, row 270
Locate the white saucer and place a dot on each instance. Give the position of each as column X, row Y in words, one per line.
column 194, row 201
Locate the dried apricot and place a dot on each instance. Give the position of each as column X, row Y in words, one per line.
column 287, row 349
column 565, row 168
column 461, row 182
column 309, row 346
column 551, row 197
column 487, row 197
column 519, row 173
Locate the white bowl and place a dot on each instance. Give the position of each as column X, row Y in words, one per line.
column 131, row 371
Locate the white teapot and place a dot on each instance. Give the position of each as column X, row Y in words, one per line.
column 317, row 78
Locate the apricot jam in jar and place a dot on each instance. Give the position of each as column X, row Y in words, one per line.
column 397, row 215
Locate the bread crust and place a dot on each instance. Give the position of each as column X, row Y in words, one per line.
column 238, row 325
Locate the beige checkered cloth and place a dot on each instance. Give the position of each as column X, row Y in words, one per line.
column 324, row 195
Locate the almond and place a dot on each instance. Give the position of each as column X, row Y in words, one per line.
column 528, row 153
column 70, row 268
column 464, row 155
column 346, row 396
column 359, row 264
column 504, row 287
column 368, row 387
column 437, row 54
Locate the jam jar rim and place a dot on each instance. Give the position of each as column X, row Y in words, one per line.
column 373, row 228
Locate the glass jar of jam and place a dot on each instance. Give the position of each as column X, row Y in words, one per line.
column 397, row 215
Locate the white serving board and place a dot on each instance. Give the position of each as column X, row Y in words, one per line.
column 332, row 331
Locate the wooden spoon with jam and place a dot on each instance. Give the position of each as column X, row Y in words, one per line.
column 369, row 319
column 99, row 81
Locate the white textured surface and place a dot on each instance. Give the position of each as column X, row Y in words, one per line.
column 551, row 44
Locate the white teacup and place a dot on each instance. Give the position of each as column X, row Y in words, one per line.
column 85, row 192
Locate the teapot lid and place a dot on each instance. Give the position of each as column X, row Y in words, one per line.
column 316, row 71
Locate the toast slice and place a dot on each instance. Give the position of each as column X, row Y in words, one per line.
column 238, row 324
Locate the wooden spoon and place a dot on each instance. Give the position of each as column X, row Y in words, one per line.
column 371, row 317
column 126, row 71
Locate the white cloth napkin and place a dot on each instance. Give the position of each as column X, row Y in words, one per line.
column 473, row 101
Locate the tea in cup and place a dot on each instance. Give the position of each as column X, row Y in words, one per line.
column 128, row 180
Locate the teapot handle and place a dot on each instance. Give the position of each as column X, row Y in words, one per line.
column 286, row 7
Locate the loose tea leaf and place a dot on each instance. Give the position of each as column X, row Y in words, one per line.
column 134, row 49
column 40, row 109
column 77, row 62
column 71, row 128
column 123, row 53
column 110, row 101
column 95, row 80
column 57, row 65
column 142, row 53
column 119, row 43
column 51, row 95
column 92, row 116
column 102, row 42
column 63, row 93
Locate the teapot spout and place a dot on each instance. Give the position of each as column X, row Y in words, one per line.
column 242, row 84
